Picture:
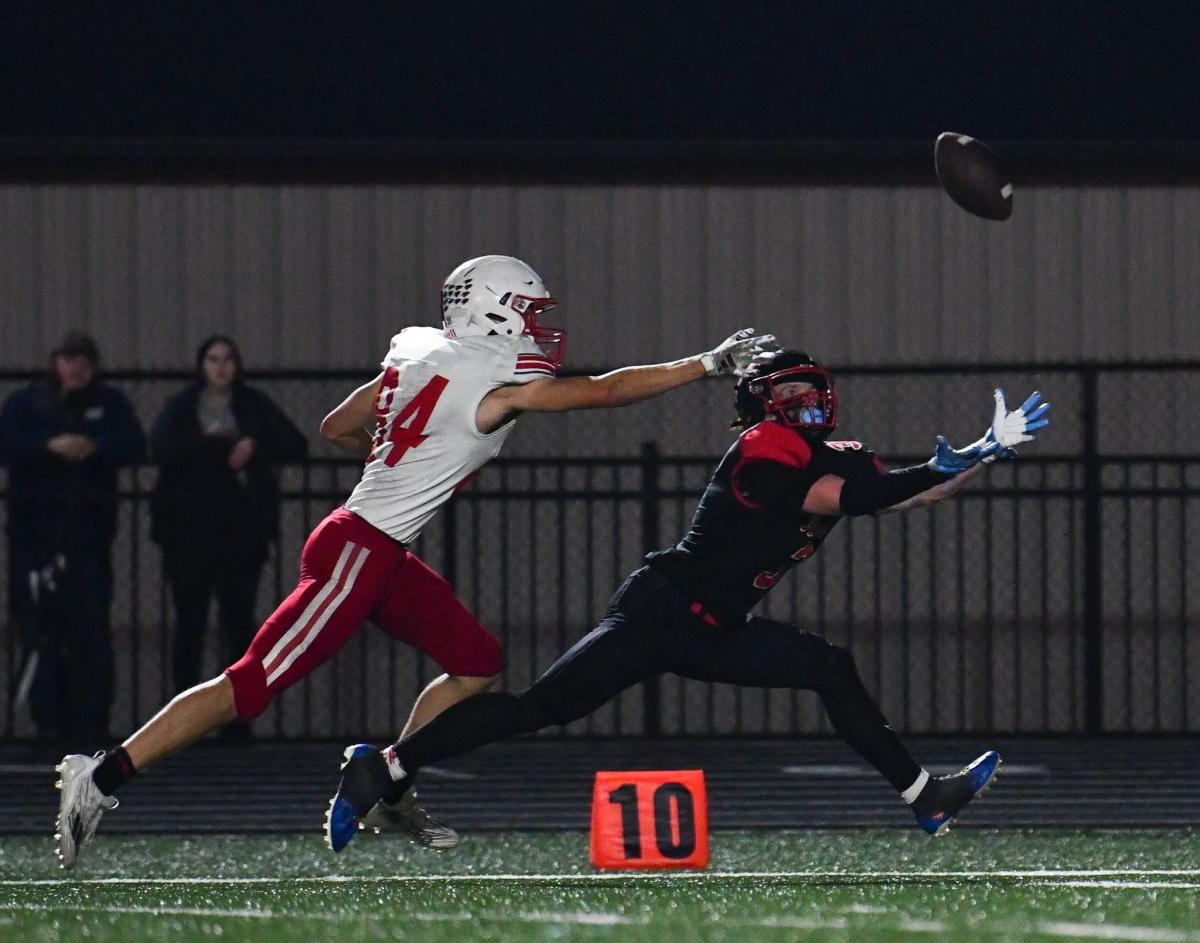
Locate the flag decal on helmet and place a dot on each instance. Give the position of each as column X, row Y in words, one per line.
column 455, row 294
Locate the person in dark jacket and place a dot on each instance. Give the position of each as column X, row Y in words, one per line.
column 215, row 506
column 63, row 439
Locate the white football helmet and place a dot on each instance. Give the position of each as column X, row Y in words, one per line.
column 496, row 295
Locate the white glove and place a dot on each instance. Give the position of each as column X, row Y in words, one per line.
column 1013, row 428
column 1008, row 428
column 733, row 355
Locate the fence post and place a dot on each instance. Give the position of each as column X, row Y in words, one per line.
column 650, row 489
column 1093, row 583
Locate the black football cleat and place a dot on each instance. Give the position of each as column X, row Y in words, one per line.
column 945, row 796
column 365, row 778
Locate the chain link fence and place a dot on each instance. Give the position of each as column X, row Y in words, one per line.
column 1059, row 595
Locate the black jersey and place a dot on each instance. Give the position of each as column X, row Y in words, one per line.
column 750, row 527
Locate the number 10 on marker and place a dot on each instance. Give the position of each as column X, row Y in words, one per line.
column 649, row 819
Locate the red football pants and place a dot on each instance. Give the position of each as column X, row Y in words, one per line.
column 351, row 572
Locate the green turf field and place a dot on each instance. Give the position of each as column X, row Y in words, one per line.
column 859, row 886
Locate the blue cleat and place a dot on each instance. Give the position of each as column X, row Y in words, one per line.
column 945, row 796
column 364, row 779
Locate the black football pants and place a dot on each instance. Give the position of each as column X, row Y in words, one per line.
column 649, row 629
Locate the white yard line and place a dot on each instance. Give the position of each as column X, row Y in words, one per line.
column 155, row 911
column 581, row 918
column 1132, row 885
column 921, row 926
column 789, row 923
column 1104, row 931
column 1071, row 930
column 854, row 771
column 816, row 875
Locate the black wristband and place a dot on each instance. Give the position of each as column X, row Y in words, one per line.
column 870, row 494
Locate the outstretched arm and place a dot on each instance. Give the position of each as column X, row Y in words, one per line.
column 922, row 485
column 937, row 492
column 618, row 388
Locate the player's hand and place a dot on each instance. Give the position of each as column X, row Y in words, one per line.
column 733, row 355
column 241, row 453
column 71, row 446
column 1018, row 426
column 948, row 460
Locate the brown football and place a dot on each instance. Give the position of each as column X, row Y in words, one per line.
column 971, row 173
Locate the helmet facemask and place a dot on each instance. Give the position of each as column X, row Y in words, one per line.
column 552, row 341
column 813, row 409
column 812, row 412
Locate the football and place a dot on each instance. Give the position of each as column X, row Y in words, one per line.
column 971, row 173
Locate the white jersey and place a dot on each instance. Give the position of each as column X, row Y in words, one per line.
column 426, row 442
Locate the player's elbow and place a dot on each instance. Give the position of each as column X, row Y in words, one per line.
column 612, row 393
column 600, row 393
column 331, row 430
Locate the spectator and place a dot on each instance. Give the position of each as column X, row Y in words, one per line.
column 215, row 506
column 63, row 439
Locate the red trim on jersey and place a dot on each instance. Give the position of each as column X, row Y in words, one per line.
column 742, row 498
column 769, row 442
column 772, row 442
column 534, row 363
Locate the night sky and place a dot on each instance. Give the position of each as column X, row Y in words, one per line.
column 601, row 70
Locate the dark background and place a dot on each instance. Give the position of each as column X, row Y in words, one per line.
column 594, row 85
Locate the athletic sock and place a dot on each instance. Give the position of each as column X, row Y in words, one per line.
column 911, row 794
column 114, row 770
column 400, row 780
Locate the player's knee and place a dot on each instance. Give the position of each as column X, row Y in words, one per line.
column 521, row 713
column 479, row 656
column 545, row 712
column 491, row 660
column 469, row 684
column 221, row 698
column 838, row 663
column 248, row 684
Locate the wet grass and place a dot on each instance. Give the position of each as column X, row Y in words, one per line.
column 860, row 886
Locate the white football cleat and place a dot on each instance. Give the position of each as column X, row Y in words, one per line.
column 80, row 805
column 410, row 819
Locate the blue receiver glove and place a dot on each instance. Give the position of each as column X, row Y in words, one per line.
column 1008, row 429
column 950, row 461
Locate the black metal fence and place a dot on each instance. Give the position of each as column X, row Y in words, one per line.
column 1059, row 595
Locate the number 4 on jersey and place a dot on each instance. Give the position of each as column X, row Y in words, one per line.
column 406, row 430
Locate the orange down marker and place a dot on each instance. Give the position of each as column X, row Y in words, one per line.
column 650, row 819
